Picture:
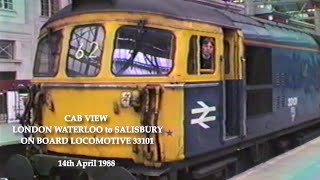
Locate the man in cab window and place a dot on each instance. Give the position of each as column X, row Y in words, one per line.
column 207, row 53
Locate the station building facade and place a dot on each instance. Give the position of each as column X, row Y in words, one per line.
column 20, row 22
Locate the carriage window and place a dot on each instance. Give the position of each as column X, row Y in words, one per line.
column 201, row 55
column 47, row 56
column 85, row 51
column 143, row 52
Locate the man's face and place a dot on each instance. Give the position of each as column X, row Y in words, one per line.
column 207, row 49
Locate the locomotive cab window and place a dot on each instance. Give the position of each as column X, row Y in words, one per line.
column 85, row 51
column 142, row 51
column 47, row 55
column 201, row 58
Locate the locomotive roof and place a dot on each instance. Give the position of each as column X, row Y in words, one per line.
column 253, row 28
column 177, row 9
column 268, row 31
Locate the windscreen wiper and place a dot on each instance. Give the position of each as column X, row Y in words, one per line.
column 137, row 45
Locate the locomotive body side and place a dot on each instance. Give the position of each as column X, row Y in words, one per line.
column 282, row 80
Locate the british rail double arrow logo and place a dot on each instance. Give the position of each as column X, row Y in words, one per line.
column 205, row 109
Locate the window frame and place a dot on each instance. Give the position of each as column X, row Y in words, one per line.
column 202, row 72
column 172, row 51
column 49, row 5
column 102, row 49
column 12, row 44
column 59, row 56
column 7, row 2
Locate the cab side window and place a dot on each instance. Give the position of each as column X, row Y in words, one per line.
column 201, row 58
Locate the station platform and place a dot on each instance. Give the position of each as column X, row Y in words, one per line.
column 7, row 137
column 301, row 163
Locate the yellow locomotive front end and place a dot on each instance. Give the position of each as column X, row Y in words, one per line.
column 104, row 88
column 110, row 86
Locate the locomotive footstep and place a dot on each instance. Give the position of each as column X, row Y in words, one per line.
column 18, row 167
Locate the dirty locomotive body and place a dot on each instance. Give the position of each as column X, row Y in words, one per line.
column 165, row 90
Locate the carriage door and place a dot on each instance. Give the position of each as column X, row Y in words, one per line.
column 234, row 123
